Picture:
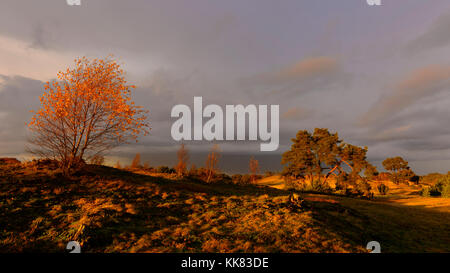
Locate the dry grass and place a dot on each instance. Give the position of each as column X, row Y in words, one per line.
column 109, row 210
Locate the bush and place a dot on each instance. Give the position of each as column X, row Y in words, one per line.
column 9, row 161
column 165, row 169
column 240, row 179
column 361, row 189
column 431, row 179
column 364, row 189
column 319, row 186
column 446, row 188
column 222, row 177
column 97, row 160
column 383, row 189
column 236, row 178
column 441, row 188
column 341, row 182
column 425, row 192
column 290, row 183
column 340, row 186
column 383, row 176
column 315, row 186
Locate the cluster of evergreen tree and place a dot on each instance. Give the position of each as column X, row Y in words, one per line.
column 320, row 154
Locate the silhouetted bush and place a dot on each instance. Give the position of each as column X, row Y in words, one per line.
column 415, row 179
column 383, row 189
column 97, row 160
column 9, row 161
column 165, row 169
column 223, row 177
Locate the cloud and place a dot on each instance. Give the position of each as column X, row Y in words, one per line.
column 18, row 58
column 421, row 83
column 296, row 113
column 419, row 133
column 396, row 133
column 18, row 96
column 435, row 37
column 307, row 69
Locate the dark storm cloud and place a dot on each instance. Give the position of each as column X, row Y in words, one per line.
column 18, row 96
column 418, row 133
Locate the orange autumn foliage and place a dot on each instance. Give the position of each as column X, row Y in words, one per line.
column 85, row 112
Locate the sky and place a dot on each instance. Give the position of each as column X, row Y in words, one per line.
column 377, row 75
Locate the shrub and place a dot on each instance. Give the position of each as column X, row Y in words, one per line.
column 97, row 160
column 246, row 179
column 165, row 169
column 383, row 189
column 236, row 178
column 340, row 185
column 342, row 182
column 240, row 179
column 222, row 178
column 364, row 189
column 319, row 186
column 383, row 176
column 9, row 161
column 431, row 179
column 446, row 188
column 425, row 192
column 442, row 187
column 290, row 183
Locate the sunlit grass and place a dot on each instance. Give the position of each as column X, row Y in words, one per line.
column 111, row 210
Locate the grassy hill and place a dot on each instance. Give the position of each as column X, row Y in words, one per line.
column 111, row 210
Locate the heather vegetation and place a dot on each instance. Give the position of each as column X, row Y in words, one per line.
column 117, row 210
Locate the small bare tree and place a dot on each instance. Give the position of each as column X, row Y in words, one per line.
column 212, row 162
column 118, row 165
column 254, row 168
column 183, row 158
column 136, row 163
